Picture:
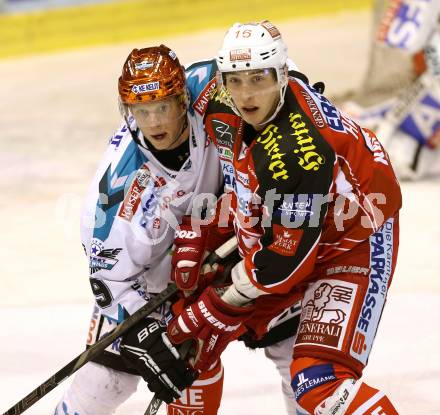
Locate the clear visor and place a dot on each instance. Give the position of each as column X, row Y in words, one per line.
column 165, row 111
column 252, row 82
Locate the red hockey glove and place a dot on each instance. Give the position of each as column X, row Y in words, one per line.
column 212, row 323
column 192, row 245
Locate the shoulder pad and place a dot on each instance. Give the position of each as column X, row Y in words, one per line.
column 318, row 86
column 298, row 75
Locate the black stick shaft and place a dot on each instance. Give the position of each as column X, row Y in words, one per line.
column 85, row 357
column 220, row 255
column 92, row 352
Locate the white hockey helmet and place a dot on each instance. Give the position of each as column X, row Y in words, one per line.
column 251, row 46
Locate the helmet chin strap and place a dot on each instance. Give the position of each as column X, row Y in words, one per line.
column 274, row 113
column 133, row 134
column 282, row 82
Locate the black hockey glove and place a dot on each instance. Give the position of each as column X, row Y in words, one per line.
column 147, row 349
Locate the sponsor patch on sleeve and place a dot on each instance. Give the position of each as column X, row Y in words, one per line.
column 312, row 377
column 285, row 240
column 133, row 197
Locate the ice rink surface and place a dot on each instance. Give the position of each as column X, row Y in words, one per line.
column 56, row 113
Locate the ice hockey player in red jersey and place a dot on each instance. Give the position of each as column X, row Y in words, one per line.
column 315, row 205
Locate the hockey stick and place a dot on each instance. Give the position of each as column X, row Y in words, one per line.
column 92, row 352
column 221, row 253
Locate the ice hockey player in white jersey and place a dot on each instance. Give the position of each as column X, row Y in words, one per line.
column 152, row 173
column 406, row 75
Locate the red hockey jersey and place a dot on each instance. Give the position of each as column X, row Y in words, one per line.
column 307, row 188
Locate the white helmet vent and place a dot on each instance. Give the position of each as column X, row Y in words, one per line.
column 268, row 54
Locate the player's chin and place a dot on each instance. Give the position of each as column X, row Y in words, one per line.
column 252, row 116
column 159, row 141
column 256, row 120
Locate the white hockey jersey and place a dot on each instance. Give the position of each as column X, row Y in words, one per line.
column 129, row 218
